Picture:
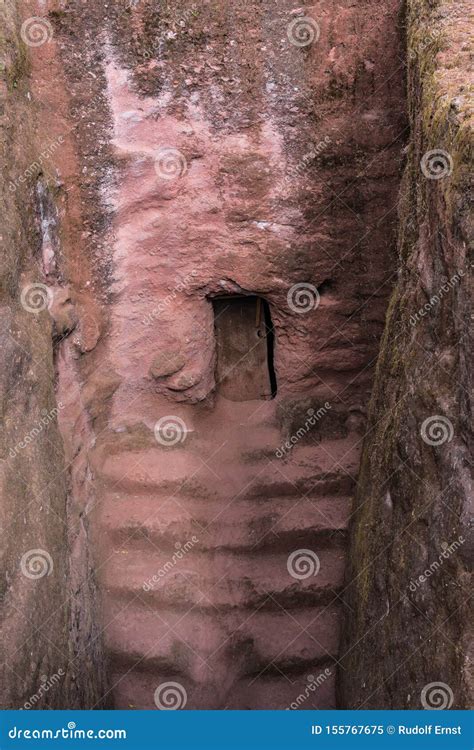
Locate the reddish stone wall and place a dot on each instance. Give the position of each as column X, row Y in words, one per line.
column 202, row 149
column 207, row 152
column 43, row 663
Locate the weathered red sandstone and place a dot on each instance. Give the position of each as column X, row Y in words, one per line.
column 203, row 167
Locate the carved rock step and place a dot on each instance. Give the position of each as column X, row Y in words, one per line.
column 223, row 580
column 136, row 690
column 198, row 642
column 195, row 554
column 166, row 523
column 187, row 472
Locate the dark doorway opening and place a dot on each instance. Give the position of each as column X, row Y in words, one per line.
column 245, row 342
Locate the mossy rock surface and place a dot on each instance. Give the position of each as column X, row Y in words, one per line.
column 412, row 496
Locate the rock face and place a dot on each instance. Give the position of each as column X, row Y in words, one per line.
column 216, row 205
column 234, row 160
column 411, row 549
column 44, row 662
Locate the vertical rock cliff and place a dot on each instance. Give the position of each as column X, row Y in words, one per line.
column 47, row 650
column 34, row 606
column 410, row 581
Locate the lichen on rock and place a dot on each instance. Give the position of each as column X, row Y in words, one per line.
column 413, row 491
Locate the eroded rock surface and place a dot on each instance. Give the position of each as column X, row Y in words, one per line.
column 46, row 646
column 210, row 154
column 412, row 548
column 195, row 152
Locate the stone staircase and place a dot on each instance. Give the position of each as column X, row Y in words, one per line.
column 195, row 549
